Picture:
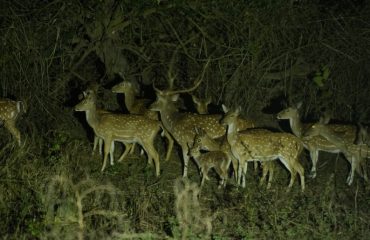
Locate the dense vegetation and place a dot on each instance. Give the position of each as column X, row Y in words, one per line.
column 263, row 56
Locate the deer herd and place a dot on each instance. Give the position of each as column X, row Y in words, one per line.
column 217, row 141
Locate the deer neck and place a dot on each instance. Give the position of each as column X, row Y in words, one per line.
column 92, row 117
column 232, row 137
column 130, row 99
column 296, row 125
column 169, row 118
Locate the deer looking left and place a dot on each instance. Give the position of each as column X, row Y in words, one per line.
column 125, row 128
column 9, row 113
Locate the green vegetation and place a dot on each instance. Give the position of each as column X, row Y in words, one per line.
column 261, row 54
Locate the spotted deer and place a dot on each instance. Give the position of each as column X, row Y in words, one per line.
column 354, row 153
column 218, row 160
column 315, row 144
column 126, row 128
column 222, row 145
column 139, row 106
column 9, row 113
column 264, row 146
column 133, row 104
column 182, row 125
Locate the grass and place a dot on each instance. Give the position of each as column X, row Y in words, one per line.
column 63, row 195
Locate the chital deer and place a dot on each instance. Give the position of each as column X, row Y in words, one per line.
column 93, row 89
column 139, row 106
column 222, row 145
column 182, row 125
column 201, row 105
column 354, row 153
column 219, row 144
column 134, row 105
column 263, row 145
column 126, row 128
column 218, row 160
column 318, row 143
column 9, row 112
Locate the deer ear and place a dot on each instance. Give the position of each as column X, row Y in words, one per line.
column 299, row 105
column 195, row 99
column 175, row 97
column 208, row 100
column 224, row 108
column 238, row 110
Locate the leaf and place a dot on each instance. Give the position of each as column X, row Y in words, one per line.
column 319, row 81
column 326, row 73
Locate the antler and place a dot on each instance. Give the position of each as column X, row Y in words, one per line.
column 196, row 84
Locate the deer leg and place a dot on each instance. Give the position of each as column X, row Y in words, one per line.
column 149, row 148
column 244, row 174
column 10, row 125
column 264, row 172
column 300, row 171
column 353, row 161
column 124, row 154
column 271, row 174
column 170, row 145
column 255, row 165
column 132, row 146
column 203, row 179
column 101, row 146
column 185, row 151
column 111, row 154
column 314, row 154
column 235, row 163
column 96, row 140
column 107, row 148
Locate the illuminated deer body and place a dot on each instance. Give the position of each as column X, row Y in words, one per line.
column 354, row 153
column 126, row 128
column 134, row 105
column 139, row 106
column 263, row 145
column 182, row 125
column 317, row 143
column 9, row 112
column 218, row 160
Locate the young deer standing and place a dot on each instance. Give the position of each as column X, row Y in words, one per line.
column 317, row 143
column 218, row 160
column 9, row 112
column 126, row 128
column 222, row 145
column 354, row 153
column 139, row 106
column 264, row 146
